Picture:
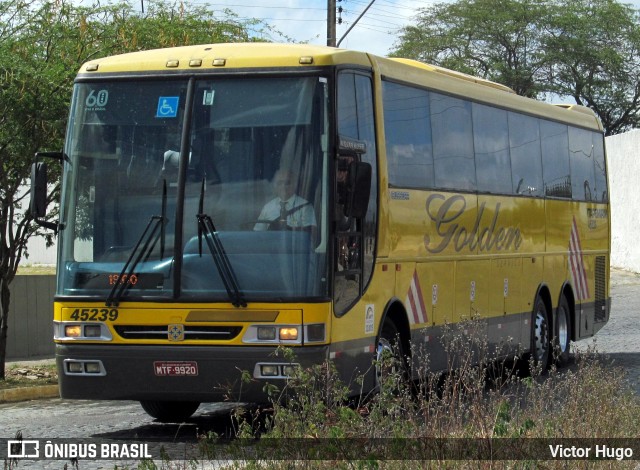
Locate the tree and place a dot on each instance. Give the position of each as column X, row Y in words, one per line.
column 498, row 40
column 585, row 50
column 593, row 52
column 42, row 45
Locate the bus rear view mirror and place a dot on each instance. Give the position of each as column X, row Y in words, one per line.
column 38, row 190
column 360, row 190
column 38, row 205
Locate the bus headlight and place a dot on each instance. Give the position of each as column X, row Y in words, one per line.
column 92, row 367
column 92, row 331
column 289, row 333
column 285, row 334
column 85, row 367
column 314, row 333
column 266, row 370
column 81, row 331
column 273, row 334
column 266, row 333
column 269, row 370
column 73, row 331
column 75, row 367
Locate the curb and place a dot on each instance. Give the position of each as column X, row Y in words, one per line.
column 29, row 393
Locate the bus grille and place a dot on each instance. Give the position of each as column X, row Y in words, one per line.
column 212, row 333
column 600, row 298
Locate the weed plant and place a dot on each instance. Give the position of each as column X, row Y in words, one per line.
column 482, row 399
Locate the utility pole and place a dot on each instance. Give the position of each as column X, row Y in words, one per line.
column 353, row 25
column 331, row 23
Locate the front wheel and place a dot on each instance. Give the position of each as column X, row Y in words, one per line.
column 540, row 344
column 170, row 411
column 389, row 355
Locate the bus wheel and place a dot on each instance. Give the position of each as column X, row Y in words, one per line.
column 540, row 344
column 562, row 333
column 389, row 357
column 170, row 411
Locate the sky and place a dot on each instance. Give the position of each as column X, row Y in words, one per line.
column 306, row 20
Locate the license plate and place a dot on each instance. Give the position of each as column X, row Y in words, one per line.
column 177, row 368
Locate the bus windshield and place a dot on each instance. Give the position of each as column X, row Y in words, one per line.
column 211, row 190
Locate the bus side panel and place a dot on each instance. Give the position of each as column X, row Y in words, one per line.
column 578, row 243
column 595, row 227
column 513, row 237
column 505, row 305
column 429, row 301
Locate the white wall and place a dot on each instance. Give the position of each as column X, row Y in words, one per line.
column 39, row 253
column 623, row 152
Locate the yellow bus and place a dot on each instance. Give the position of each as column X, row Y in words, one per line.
column 219, row 201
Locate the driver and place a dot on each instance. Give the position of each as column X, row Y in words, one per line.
column 287, row 210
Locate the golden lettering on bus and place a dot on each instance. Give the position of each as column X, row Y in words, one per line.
column 445, row 213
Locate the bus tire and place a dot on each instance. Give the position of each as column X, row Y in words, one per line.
column 170, row 411
column 540, row 337
column 562, row 333
column 389, row 347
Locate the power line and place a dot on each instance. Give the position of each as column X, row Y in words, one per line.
column 356, row 21
column 231, row 5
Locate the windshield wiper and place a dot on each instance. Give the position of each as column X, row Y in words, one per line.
column 148, row 241
column 219, row 255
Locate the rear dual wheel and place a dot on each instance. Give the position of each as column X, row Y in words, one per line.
column 540, row 335
column 562, row 333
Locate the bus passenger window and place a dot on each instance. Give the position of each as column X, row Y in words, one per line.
column 581, row 154
column 554, row 144
column 491, row 144
column 408, row 136
column 452, row 132
column 526, row 159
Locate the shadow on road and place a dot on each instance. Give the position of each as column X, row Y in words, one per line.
column 206, row 420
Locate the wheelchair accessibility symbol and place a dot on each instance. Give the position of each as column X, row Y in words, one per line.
column 167, row 106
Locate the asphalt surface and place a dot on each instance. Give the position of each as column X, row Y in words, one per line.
column 619, row 340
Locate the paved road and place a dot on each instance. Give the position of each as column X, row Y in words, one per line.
column 97, row 422
column 620, row 338
column 126, row 421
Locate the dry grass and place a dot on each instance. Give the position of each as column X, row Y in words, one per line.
column 589, row 400
column 36, row 270
column 29, row 375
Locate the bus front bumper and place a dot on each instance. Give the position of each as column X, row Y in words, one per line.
column 177, row 373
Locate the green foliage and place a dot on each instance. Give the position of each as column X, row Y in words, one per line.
column 592, row 50
column 585, row 50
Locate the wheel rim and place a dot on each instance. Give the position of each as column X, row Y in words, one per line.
column 563, row 330
column 541, row 335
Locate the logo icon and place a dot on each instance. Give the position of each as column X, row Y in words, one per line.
column 23, row 449
column 175, row 332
